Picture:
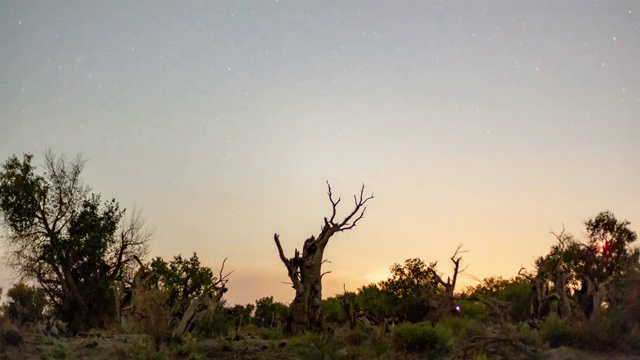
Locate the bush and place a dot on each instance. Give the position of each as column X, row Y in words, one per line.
column 422, row 337
column 213, row 323
column 269, row 313
column 471, row 309
column 153, row 316
column 25, row 304
column 555, row 331
column 460, row 328
column 333, row 312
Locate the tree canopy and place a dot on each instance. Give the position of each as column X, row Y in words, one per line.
column 73, row 244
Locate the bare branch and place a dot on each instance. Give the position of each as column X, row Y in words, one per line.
column 223, row 279
column 324, row 273
column 334, row 204
column 523, row 272
column 359, row 204
column 284, row 259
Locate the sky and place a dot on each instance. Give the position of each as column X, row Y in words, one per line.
column 486, row 123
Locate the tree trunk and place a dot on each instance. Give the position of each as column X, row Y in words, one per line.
column 560, row 287
column 305, row 270
column 306, row 309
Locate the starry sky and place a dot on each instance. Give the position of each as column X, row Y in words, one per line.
column 486, row 123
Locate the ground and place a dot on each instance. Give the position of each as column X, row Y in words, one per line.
column 128, row 346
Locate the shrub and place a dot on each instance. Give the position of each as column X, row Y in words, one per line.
column 421, row 337
column 333, row 312
column 213, row 323
column 25, row 304
column 269, row 313
column 189, row 349
column 557, row 332
column 459, row 329
column 153, row 316
column 471, row 309
column 263, row 333
column 59, row 351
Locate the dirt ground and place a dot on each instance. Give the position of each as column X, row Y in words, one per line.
column 120, row 347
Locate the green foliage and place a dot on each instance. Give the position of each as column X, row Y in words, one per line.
column 264, row 333
column 64, row 238
column 312, row 345
column 214, row 323
column 269, row 313
column 422, row 337
column 515, row 291
column 461, row 327
column 153, row 315
column 25, row 304
column 373, row 301
column 58, row 351
column 555, row 331
column 609, row 242
column 333, row 312
column 189, row 349
column 20, row 192
column 412, row 292
column 471, row 309
column 183, row 280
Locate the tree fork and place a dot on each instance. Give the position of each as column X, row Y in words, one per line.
column 305, row 269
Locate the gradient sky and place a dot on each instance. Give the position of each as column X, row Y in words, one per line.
column 486, row 123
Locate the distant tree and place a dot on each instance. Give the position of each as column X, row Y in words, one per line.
column 184, row 280
column 305, row 270
column 420, row 289
column 74, row 245
column 516, row 292
column 25, row 304
column 269, row 313
column 584, row 272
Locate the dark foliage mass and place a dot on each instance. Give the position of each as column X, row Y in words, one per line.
column 74, row 245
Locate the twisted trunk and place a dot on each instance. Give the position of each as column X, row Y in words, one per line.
column 305, row 270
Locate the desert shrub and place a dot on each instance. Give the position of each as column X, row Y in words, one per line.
column 25, row 304
column 471, row 309
column 421, row 337
column 269, row 313
column 458, row 329
column 607, row 331
column 213, row 323
column 515, row 291
column 333, row 312
column 10, row 334
column 529, row 336
column 58, row 351
column 555, row 331
column 354, row 337
column 314, row 346
column 189, row 349
column 263, row 333
column 372, row 300
column 153, row 315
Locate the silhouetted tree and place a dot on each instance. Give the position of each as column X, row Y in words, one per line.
column 583, row 272
column 305, row 270
column 75, row 246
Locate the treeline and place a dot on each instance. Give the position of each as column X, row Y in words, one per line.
column 84, row 261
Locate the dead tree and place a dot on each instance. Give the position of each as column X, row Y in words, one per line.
column 305, row 270
column 450, row 285
column 206, row 301
column 539, row 304
column 561, row 280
